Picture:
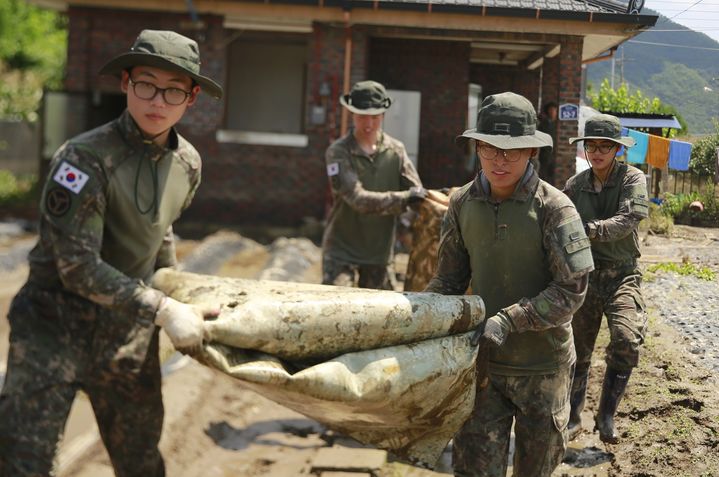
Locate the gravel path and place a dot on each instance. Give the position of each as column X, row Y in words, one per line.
column 691, row 305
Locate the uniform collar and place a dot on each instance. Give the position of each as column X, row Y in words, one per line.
column 586, row 179
column 133, row 136
column 525, row 188
column 358, row 151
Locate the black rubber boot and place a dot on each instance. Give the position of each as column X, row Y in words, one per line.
column 576, row 400
column 615, row 383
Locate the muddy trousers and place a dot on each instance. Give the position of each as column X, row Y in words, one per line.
column 51, row 357
column 539, row 408
column 344, row 274
column 616, row 294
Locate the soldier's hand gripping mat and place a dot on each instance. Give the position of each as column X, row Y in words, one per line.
column 394, row 370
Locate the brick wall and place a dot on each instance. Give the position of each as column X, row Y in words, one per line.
column 440, row 71
column 498, row 79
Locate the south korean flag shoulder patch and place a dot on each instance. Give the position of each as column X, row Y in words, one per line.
column 70, row 177
column 333, row 169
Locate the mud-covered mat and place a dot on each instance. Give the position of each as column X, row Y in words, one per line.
column 394, row 370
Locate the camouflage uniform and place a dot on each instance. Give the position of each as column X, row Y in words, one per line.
column 84, row 319
column 368, row 192
column 528, row 258
column 612, row 216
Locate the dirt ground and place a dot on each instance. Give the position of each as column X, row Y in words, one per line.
column 669, row 420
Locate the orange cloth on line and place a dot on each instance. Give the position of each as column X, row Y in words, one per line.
column 658, row 151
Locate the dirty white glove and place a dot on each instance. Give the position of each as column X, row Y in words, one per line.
column 183, row 323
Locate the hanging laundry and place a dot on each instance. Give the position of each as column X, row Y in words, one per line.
column 658, row 151
column 638, row 153
column 679, row 154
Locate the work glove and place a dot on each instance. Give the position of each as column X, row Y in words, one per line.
column 491, row 332
column 183, row 323
column 590, row 228
column 416, row 194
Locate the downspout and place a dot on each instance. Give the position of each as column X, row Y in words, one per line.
column 347, row 69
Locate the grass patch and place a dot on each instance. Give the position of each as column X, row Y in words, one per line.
column 685, row 268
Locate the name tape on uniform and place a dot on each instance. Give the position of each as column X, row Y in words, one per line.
column 70, row 177
column 333, row 169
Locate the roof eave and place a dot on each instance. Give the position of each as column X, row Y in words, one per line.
column 605, row 17
column 637, row 20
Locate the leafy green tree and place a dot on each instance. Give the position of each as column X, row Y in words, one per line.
column 33, row 45
column 620, row 100
column 704, row 154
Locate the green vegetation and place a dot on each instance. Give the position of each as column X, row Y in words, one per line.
column 677, row 206
column 33, row 45
column 685, row 268
column 704, row 154
column 682, row 75
column 17, row 191
column 659, row 222
column 621, row 101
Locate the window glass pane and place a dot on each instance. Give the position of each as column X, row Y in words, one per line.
column 266, row 87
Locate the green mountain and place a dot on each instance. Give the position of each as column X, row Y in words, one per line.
column 679, row 67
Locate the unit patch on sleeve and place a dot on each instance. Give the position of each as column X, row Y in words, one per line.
column 70, row 177
column 58, row 201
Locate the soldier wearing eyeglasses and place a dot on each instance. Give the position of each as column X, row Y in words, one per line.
column 520, row 244
column 612, row 199
column 86, row 318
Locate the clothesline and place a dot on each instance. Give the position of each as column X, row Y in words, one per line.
column 658, row 151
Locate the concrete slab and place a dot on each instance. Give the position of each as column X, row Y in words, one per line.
column 345, row 474
column 346, row 459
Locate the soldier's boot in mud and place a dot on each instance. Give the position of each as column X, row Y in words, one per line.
column 615, row 383
column 576, row 400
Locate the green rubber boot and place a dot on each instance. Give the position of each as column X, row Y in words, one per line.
column 615, row 383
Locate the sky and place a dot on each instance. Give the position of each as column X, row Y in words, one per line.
column 699, row 15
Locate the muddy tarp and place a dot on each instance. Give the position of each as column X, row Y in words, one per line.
column 426, row 231
column 394, row 370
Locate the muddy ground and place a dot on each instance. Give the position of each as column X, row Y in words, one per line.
column 669, row 420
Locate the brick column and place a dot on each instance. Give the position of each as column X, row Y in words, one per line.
column 570, row 84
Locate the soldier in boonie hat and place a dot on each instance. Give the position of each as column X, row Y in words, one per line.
column 507, row 121
column 604, row 127
column 367, row 97
column 107, row 210
column 373, row 181
column 612, row 200
column 168, row 51
column 519, row 242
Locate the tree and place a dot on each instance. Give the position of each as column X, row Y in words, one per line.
column 704, row 154
column 33, row 45
column 621, row 101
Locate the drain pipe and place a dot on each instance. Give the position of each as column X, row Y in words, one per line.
column 347, row 70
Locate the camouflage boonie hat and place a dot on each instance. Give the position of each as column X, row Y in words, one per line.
column 507, row 121
column 367, row 97
column 166, row 50
column 605, row 127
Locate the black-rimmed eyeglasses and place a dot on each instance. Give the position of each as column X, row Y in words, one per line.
column 491, row 153
column 603, row 148
column 148, row 91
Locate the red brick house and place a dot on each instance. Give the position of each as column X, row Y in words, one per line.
column 284, row 64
